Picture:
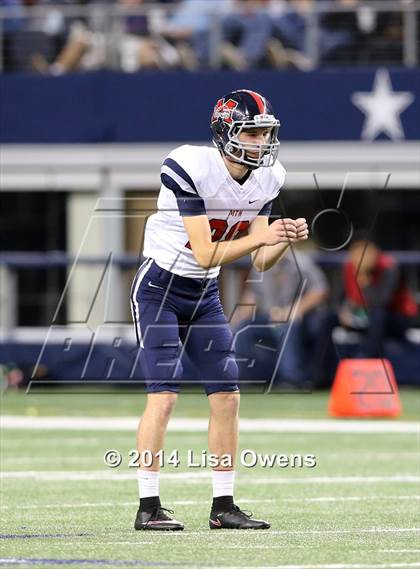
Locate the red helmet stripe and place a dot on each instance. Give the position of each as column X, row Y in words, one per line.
column 258, row 99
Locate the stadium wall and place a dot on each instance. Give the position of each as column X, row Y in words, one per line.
column 111, row 137
column 106, row 106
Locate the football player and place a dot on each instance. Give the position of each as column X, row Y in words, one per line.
column 213, row 208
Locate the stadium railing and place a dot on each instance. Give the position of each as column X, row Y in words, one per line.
column 11, row 262
column 107, row 22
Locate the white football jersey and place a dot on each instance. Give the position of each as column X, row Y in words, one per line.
column 195, row 181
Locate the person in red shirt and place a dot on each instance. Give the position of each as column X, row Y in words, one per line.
column 377, row 300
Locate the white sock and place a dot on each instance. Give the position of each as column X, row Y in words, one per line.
column 223, row 481
column 148, row 483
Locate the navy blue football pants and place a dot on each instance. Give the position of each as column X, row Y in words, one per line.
column 172, row 314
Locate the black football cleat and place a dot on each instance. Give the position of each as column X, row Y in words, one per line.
column 157, row 520
column 235, row 519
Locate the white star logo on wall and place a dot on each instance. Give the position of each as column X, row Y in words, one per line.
column 382, row 108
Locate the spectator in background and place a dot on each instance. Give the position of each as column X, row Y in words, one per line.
column 75, row 41
column 188, row 30
column 382, row 35
column 12, row 24
column 75, row 45
column 15, row 376
column 138, row 48
column 290, row 306
column 377, row 301
column 246, row 32
column 86, row 48
column 40, row 33
column 340, row 38
column 287, row 47
column 361, row 34
column 255, row 33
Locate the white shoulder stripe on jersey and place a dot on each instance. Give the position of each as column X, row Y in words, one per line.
column 135, row 308
column 180, row 181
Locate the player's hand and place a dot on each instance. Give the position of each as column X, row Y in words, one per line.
column 302, row 230
column 281, row 231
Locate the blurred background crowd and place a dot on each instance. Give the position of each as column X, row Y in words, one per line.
column 74, row 138
column 295, row 305
column 294, row 323
column 59, row 36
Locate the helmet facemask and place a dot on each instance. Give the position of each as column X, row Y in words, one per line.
column 266, row 153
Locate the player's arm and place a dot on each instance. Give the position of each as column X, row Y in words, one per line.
column 212, row 254
column 266, row 256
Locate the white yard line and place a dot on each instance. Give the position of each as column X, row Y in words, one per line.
column 287, row 546
column 323, row 566
column 349, row 498
column 199, row 477
column 344, row 531
column 124, row 504
column 221, row 534
column 201, row 425
column 23, row 561
column 10, row 461
column 130, row 543
column 18, row 460
column 134, row 503
column 15, row 561
column 399, row 550
column 255, row 546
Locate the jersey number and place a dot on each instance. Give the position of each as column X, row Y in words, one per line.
column 219, row 227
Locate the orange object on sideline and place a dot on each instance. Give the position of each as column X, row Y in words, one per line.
column 364, row 388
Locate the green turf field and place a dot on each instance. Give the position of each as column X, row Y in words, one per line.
column 357, row 509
